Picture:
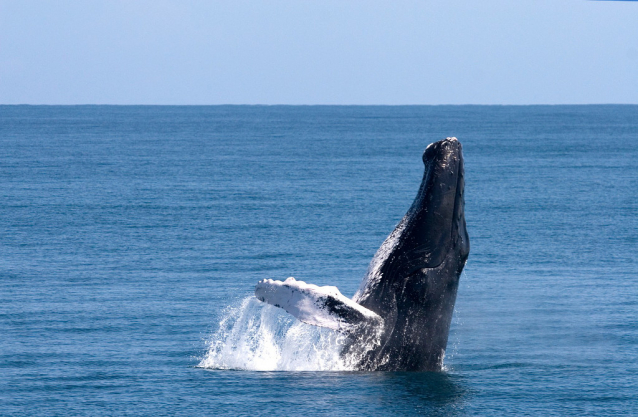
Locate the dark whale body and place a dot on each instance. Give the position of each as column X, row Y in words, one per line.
column 399, row 319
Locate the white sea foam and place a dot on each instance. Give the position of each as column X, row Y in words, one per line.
column 259, row 337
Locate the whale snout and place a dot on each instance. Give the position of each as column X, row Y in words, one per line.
column 442, row 151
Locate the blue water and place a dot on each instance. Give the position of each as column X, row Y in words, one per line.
column 131, row 239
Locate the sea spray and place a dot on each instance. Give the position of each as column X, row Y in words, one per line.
column 258, row 337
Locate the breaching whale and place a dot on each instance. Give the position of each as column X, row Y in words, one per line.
column 399, row 319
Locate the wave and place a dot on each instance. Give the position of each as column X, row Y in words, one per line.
column 258, row 337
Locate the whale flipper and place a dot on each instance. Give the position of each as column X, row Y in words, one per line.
column 319, row 306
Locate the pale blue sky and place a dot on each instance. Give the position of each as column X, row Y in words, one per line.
column 318, row 52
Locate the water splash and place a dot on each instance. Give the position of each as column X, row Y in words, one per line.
column 258, row 337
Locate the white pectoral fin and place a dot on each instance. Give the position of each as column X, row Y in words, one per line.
column 319, row 306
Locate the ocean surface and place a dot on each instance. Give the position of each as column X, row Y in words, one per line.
column 131, row 239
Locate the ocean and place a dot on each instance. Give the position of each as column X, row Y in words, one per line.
column 132, row 237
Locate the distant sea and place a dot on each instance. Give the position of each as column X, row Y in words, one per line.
column 131, row 238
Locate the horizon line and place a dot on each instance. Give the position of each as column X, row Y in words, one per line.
column 316, row 104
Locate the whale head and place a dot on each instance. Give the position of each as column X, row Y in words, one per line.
column 436, row 221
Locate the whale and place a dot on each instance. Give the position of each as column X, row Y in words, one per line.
column 399, row 318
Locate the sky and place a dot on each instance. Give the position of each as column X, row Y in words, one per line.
column 318, row 52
